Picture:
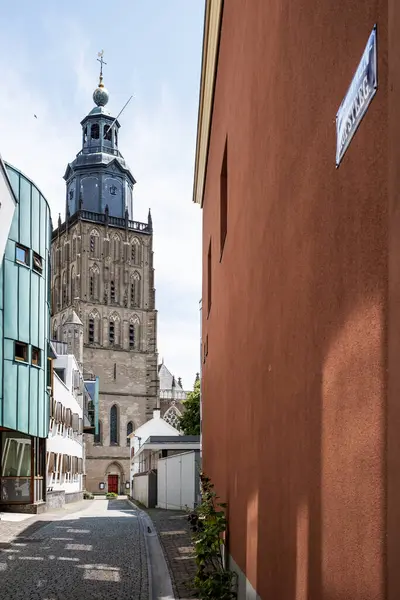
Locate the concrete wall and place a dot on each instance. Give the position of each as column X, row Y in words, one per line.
column 140, row 490
column 176, row 481
column 296, row 388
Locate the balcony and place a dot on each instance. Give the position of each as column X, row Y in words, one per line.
column 103, row 218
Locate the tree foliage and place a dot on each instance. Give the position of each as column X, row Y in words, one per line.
column 189, row 422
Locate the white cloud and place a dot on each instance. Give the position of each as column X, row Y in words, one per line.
column 158, row 144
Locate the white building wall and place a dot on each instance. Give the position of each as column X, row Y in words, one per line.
column 176, row 481
column 62, row 440
column 156, row 426
column 141, row 491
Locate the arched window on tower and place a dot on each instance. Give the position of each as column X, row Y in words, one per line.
column 107, row 132
column 94, row 243
column 74, row 248
column 131, row 335
column 129, row 430
column 73, row 284
column 135, row 252
column 115, row 247
column 112, row 291
column 98, row 437
column 135, row 290
column 56, row 295
column 111, row 332
column 94, row 282
column 113, row 426
column 116, row 138
column 91, row 331
column 95, row 131
column 64, row 289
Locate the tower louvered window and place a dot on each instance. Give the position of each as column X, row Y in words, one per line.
column 131, row 336
column 111, row 332
column 112, row 291
column 91, row 331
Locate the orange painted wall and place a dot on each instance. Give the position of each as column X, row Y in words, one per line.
column 295, row 381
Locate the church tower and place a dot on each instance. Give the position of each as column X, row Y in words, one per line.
column 102, row 269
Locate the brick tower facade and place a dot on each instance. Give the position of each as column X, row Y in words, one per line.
column 103, row 268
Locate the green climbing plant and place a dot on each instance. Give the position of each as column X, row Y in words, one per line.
column 208, row 523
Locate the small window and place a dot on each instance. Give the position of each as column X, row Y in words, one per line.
column 107, row 132
column 92, row 244
column 112, row 291
column 22, row 254
column 91, row 286
column 91, row 331
column 111, row 332
column 131, row 336
column 21, row 352
column 95, row 131
column 37, row 263
column 35, row 356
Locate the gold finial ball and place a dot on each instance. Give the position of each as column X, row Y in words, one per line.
column 100, row 96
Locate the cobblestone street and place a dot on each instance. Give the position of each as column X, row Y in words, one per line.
column 96, row 553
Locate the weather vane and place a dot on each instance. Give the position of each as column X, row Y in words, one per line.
column 102, row 62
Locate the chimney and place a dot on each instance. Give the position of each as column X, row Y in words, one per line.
column 156, row 413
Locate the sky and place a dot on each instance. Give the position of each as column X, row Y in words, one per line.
column 152, row 48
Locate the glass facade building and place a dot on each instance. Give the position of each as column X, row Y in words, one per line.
column 24, row 334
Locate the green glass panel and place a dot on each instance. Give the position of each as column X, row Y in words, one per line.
column 14, row 180
column 34, row 310
column 33, row 401
column 10, row 250
column 14, row 229
column 8, row 349
column 11, row 299
column 22, row 303
column 25, row 208
column 10, row 395
column 43, row 413
column 24, row 397
column 44, row 218
column 35, row 221
column 41, row 312
column 1, row 286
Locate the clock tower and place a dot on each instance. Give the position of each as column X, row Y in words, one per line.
column 102, row 263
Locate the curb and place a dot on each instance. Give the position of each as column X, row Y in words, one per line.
column 162, row 580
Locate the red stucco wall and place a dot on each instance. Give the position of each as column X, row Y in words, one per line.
column 295, row 382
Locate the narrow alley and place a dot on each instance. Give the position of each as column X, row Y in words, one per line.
column 97, row 552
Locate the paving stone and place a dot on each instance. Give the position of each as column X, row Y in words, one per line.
column 173, row 531
column 95, row 554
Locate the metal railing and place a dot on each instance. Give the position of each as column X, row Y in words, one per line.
column 103, row 218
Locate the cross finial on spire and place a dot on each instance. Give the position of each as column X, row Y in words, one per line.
column 102, row 62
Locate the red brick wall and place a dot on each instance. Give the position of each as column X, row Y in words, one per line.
column 295, row 380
